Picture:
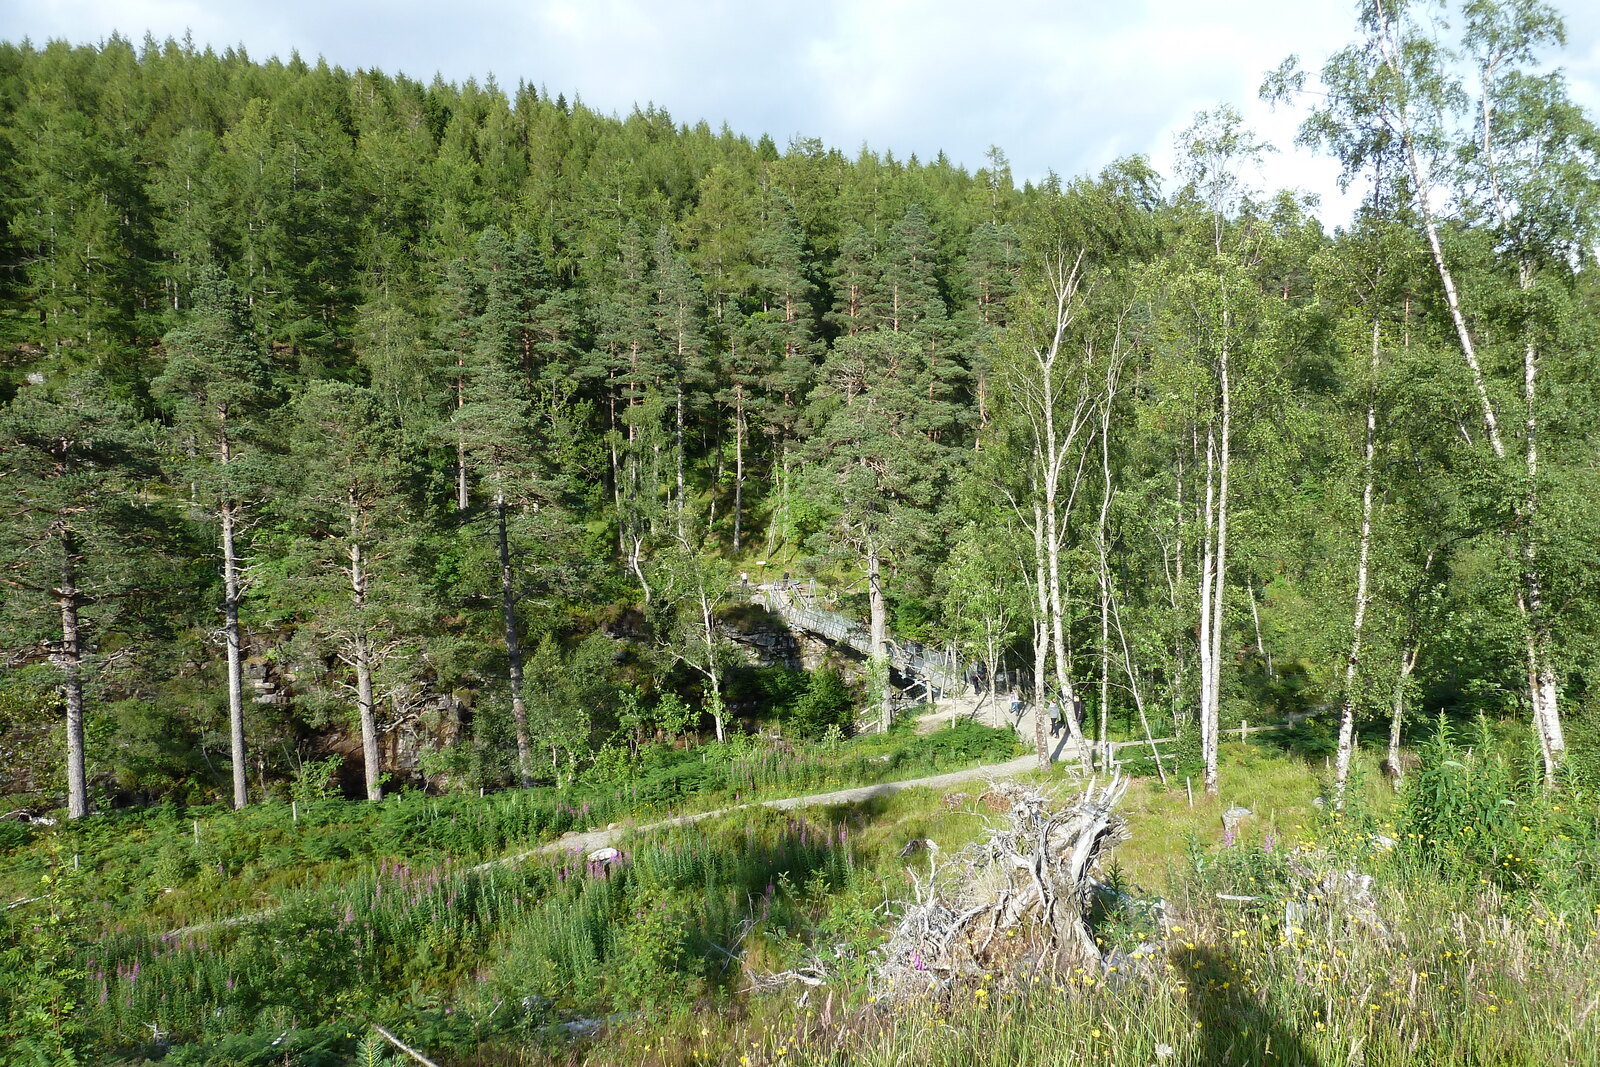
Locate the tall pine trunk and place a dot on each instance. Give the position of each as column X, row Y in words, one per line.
column 71, row 662
column 678, row 444
column 230, row 609
column 361, row 654
column 738, row 463
column 508, row 609
column 879, row 630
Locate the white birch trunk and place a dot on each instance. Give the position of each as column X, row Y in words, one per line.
column 1208, row 703
column 1347, row 718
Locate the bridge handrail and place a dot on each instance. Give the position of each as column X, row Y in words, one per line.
column 938, row 668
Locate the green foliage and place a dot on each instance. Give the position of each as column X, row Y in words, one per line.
column 825, row 703
column 42, row 973
column 1475, row 811
column 314, row 780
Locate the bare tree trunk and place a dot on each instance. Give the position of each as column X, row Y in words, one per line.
column 738, row 463
column 635, row 544
column 1422, row 185
column 1261, row 645
column 1102, row 552
column 70, row 660
column 1208, row 583
column 1542, row 691
column 1347, row 718
column 879, row 623
column 361, row 653
column 1408, row 663
column 508, row 608
column 1041, row 633
column 713, row 674
column 231, row 632
column 1067, row 694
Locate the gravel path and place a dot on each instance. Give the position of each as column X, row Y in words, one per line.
column 588, row 842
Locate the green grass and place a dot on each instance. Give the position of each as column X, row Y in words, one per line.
column 1489, row 951
column 160, row 865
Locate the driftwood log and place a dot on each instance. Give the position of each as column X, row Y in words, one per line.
column 1017, row 900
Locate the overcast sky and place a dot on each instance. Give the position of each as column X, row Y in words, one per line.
column 1067, row 85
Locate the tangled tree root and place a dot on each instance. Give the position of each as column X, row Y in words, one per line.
column 1016, row 900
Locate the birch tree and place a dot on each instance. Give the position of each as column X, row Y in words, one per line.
column 1514, row 152
column 1044, row 378
column 1209, row 300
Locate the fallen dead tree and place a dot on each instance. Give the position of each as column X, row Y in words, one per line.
column 1015, row 901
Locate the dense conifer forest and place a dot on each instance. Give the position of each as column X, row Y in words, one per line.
column 419, row 423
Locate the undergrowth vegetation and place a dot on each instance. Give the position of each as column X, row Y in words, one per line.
column 1476, row 943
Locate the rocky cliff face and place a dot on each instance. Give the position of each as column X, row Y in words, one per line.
column 769, row 642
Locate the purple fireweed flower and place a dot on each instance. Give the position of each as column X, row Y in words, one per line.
column 1227, row 839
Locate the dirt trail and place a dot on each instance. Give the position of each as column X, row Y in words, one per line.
column 588, row 842
column 594, row 839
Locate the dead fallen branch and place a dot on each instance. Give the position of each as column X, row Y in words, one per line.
column 403, row 1047
column 1017, row 899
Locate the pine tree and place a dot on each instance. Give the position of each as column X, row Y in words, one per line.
column 343, row 564
column 879, row 461
column 75, row 541
column 218, row 383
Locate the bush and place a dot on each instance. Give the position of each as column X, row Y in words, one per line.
column 825, row 702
